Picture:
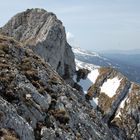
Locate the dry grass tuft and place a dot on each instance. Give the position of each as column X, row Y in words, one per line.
column 7, row 134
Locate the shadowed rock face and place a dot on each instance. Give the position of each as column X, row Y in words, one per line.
column 36, row 103
column 45, row 35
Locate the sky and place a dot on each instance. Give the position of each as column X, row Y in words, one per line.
column 90, row 24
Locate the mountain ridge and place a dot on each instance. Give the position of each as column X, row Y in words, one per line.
column 129, row 66
column 42, row 32
column 111, row 93
column 36, row 101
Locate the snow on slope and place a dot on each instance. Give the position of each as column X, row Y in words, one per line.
column 92, row 76
column 122, row 105
column 90, row 57
column 110, row 86
column 94, row 102
column 84, row 52
column 81, row 64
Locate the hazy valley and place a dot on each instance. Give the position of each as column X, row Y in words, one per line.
column 125, row 62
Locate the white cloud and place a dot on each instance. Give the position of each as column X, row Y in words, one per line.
column 69, row 36
column 71, row 40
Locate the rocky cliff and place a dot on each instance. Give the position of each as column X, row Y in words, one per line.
column 42, row 32
column 36, row 103
column 117, row 99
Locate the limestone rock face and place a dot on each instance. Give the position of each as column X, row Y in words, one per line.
column 45, row 35
column 127, row 116
column 36, row 103
column 118, row 100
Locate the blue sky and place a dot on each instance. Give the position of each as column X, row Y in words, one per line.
column 92, row 24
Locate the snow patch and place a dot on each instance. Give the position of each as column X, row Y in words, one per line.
column 80, row 65
column 118, row 114
column 92, row 76
column 89, row 81
column 110, row 86
column 121, row 106
column 84, row 52
column 123, row 103
column 94, row 102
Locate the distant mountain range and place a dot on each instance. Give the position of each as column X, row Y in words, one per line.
column 109, row 91
column 126, row 63
column 132, row 51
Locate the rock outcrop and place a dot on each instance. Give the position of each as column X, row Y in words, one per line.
column 118, row 100
column 36, row 103
column 42, row 32
column 127, row 116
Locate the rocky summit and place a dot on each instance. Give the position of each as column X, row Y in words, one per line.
column 42, row 32
column 36, row 101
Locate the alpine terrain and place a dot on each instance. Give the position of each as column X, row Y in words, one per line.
column 125, row 62
column 47, row 94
